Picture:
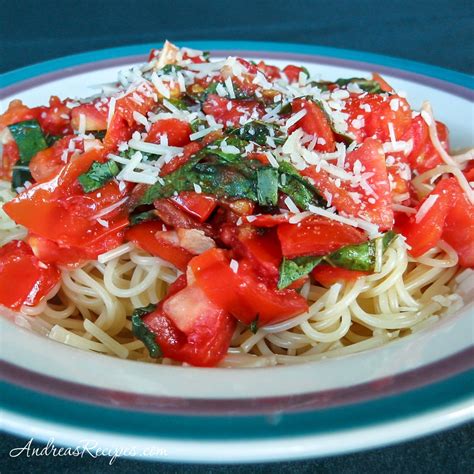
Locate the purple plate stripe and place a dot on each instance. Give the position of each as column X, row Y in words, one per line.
column 432, row 82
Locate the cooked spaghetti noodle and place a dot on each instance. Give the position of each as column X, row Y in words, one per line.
column 89, row 302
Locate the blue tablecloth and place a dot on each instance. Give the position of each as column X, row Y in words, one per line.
column 436, row 32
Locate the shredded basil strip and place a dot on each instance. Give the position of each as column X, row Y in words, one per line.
column 257, row 132
column 293, row 269
column 143, row 217
column 98, row 175
column 267, row 186
column 254, row 325
column 298, row 188
column 143, row 333
column 367, row 85
column 359, row 257
column 30, row 140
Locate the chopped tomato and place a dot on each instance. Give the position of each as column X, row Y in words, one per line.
column 218, row 107
column 173, row 216
column 198, row 205
column 316, row 236
column 271, row 72
column 459, row 227
column 267, row 220
column 316, row 123
column 177, row 131
column 55, row 119
column 380, row 114
column 374, row 199
column 149, row 237
column 10, row 156
column 48, row 162
column 424, row 155
column 328, row 275
column 242, row 293
column 180, row 160
column 24, row 279
column 260, row 247
column 94, row 116
column 189, row 328
column 292, row 73
column 59, row 210
column 140, row 100
column 17, row 112
column 423, row 235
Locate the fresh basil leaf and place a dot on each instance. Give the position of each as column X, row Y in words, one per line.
column 367, row 85
column 180, row 104
column 293, row 269
column 141, row 331
column 299, row 189
column 98, row 175
column 254, row 325
column 30, row 140
column 267, row 186
column 257, row 131
column 170, row 69
column 359, row 257
column 143, row 217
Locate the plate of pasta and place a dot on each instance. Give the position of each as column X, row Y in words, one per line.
column 260, row 248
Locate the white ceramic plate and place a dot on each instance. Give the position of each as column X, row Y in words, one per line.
column 408, row 388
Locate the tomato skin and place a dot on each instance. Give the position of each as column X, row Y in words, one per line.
column 271, row 72
column 292, row 73
column 379, row 211
column 217, row 107
column 314, row 122
column 328, row 275
column 316, row 236
column 378, row 116
column 261, row 249
column 180, row 160
column 10, row 156
column 59, row 210
column 425, row 234
column 205, row 339
column 17, row 112
column 95, row 115
column 147, row 236
column 198, row 205
column 243, row 294
column 55, row 119
column 176, row 130
column 47, row 163
column 24, row 280
column 459, row 227
column 424, row 155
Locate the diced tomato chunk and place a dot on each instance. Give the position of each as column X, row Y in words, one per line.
column 63, row 213
column 148, row 236
column 198, row 205
column 24, row 279
column 424, row 229
column 328, row 275
column 293, row 73
column 316, row 236
column 459, row 227
column 218, row 107
column 94, row 116
column 315, row 122
column 241, row 292
column 177, row 131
